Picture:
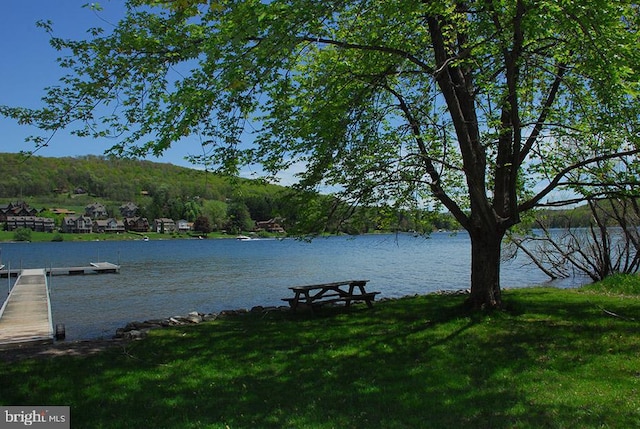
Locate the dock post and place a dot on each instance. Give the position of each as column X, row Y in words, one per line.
column 60, row 332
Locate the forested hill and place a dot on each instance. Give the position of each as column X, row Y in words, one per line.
column 166, row 190
column 111, row 179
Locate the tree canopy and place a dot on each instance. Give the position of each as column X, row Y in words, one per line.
column 484, row 107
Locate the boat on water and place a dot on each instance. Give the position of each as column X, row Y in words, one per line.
column 243, row 238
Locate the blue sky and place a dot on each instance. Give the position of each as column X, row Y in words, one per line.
column 29, row 65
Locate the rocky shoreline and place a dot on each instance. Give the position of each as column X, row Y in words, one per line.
column 138, row 330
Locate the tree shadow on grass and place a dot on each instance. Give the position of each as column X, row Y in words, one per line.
column 411, row 363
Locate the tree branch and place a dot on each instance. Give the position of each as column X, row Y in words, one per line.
column 436, row 186
column 529, row 204
column 546, row 108
column 384, row 49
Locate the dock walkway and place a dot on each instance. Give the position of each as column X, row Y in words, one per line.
column 25, row 316
column 92, row 268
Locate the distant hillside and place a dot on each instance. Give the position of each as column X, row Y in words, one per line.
column 165, row 190
column 111, row 179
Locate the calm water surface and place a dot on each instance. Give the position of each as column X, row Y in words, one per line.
column 162, row 278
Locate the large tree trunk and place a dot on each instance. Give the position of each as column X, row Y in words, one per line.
column 485, row 269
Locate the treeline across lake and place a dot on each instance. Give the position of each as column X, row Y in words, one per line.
column 233, row 204
column 217, row 202
column 578, row 217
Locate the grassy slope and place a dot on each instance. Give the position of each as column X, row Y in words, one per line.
column 553, row 359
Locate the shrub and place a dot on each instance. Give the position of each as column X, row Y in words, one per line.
column 22, row 234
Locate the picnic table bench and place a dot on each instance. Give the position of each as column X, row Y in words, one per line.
column 315, row 296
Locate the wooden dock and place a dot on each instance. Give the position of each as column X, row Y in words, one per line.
column 25, row 317
column 92, row 268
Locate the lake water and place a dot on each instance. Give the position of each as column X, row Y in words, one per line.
column 163, row 278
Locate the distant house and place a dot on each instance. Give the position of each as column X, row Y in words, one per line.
column 184, row 226
column 271, row 225
column 77, row 224
column 16, row 209
column 128, row 210
column 164, row 225
column 34, row 223
column 110, row 225
column 136, row 224
column 95, row 211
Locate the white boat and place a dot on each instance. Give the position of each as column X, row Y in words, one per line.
column 243, row 238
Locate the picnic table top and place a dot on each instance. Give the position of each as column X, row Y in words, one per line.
column 331, row 285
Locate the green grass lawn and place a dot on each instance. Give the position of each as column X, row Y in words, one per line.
column 552, row 359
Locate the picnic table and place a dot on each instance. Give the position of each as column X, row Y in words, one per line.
column 315, row 296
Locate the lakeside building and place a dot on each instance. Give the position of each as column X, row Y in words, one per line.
column 271, row 225
column 95, row 211
column 136, row 224
column 19, row 208
column 34, row 223
column 128, row 210
column 77, row 224
column 164, row 225
column 110, row 225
